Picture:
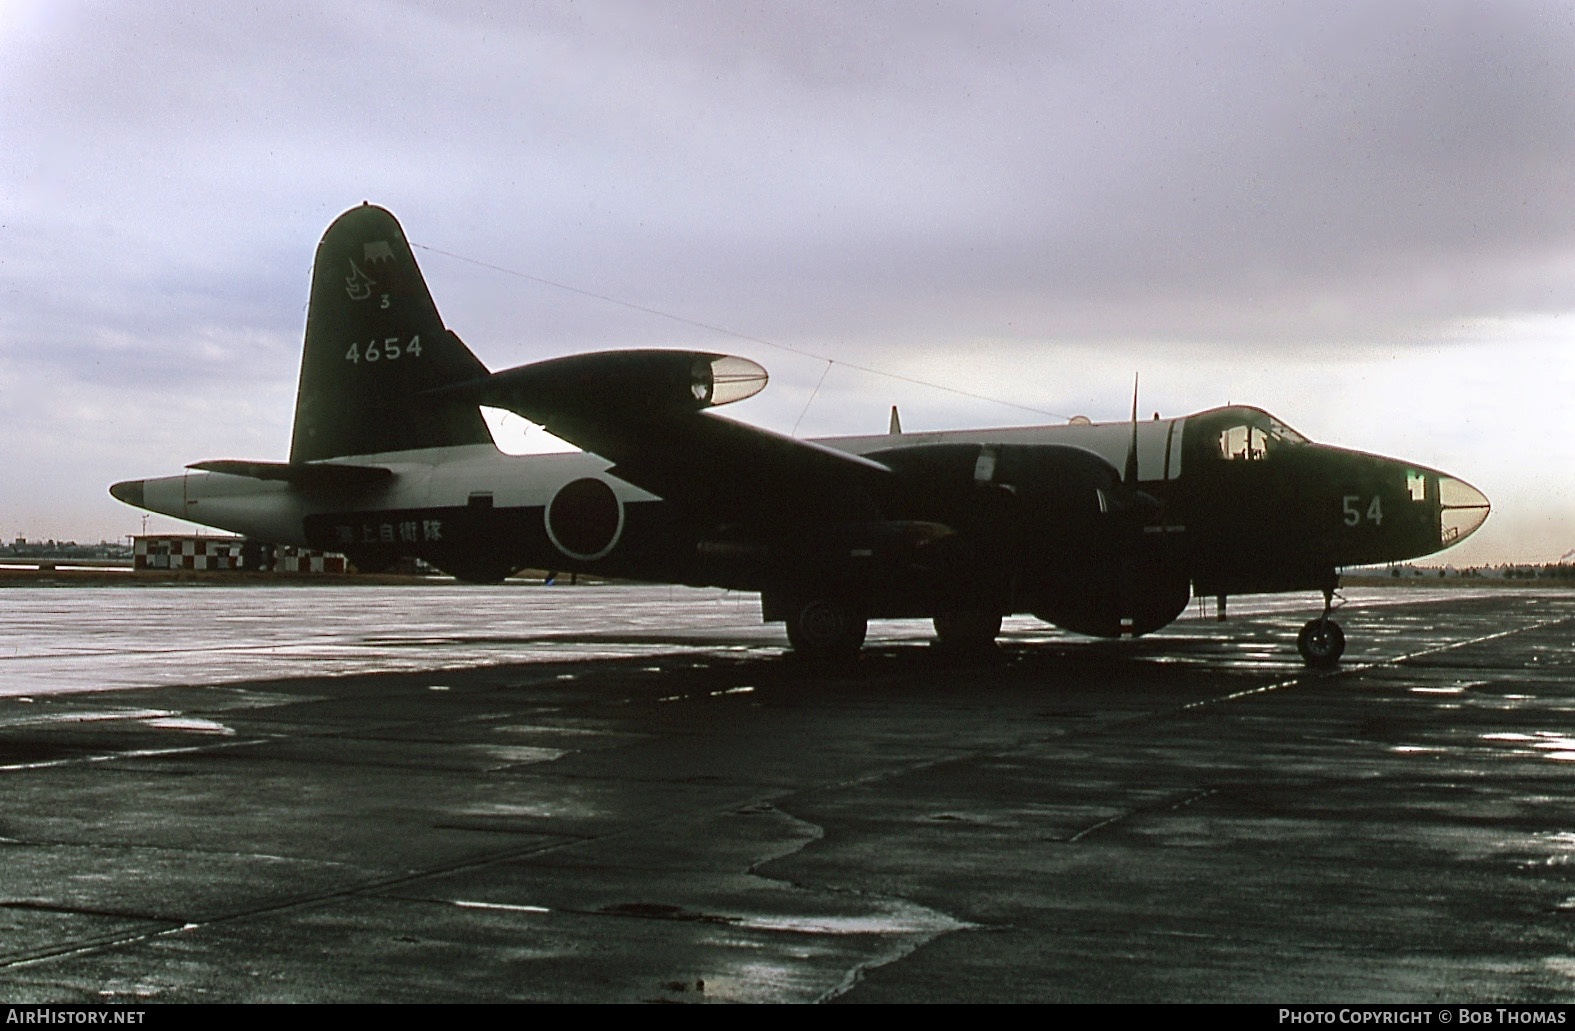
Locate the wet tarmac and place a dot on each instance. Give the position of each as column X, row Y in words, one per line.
column 624, row 794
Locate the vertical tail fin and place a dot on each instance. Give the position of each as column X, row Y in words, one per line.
column 374, row 344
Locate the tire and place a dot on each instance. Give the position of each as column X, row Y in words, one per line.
column 1321, row 643
column 826, row 630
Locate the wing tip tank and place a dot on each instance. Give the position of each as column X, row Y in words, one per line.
column 131, row 492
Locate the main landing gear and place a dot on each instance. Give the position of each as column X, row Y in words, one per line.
column 968, row 631
column 1321, row 641
column 826, row 631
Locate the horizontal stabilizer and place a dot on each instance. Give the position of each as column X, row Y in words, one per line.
column 301, row 474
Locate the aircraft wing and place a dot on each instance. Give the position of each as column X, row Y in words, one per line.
column 646, row 412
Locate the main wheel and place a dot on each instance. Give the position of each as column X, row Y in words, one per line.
column 826, row 630
column 968, row 630
column 1321, row 643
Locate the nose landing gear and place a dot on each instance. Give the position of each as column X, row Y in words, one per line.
column 1321, row 641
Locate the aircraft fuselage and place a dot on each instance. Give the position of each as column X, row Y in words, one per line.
column 1241, row 509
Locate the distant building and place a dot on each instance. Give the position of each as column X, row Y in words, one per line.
column 205, row 553
column 302, row 560
column 66, row 551
column 186, row 551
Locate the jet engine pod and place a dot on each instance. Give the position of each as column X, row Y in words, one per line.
column 584, row 519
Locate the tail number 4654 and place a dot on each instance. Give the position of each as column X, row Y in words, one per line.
column 389, row 348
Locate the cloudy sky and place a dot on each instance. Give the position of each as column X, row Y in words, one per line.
column 1359, row 216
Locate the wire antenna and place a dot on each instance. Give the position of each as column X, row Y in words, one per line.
column 812, row 395
column 724, row 331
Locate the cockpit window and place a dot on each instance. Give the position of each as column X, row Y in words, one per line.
column 1243, row 443
column 1282, row 432
column 1255, row 437
column 1238, row 433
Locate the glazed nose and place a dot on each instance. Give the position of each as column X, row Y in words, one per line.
column 1461, row 510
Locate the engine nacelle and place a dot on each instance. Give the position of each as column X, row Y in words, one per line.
column 1097, row 559
column 1048, row 529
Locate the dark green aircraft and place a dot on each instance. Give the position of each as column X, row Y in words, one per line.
column 1103, row 529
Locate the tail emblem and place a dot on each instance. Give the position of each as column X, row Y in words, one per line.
column 358, row 284
column 377, row 250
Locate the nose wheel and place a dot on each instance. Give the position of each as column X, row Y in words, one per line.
column 1321, row 641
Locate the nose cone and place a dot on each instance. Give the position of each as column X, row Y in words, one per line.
column 1461, row 510
column 129, row 491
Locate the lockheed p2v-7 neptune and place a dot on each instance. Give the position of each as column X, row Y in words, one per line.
column 1103, row 529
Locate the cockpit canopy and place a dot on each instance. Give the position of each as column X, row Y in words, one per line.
column 1242, row 434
